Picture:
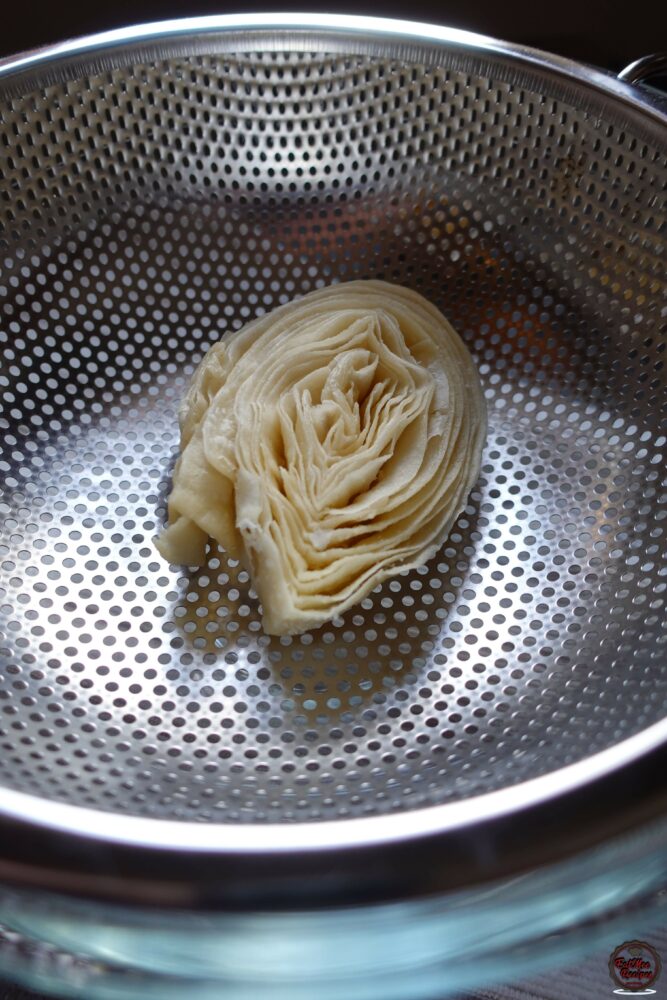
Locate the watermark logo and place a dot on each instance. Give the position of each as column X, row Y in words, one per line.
column 634, row 968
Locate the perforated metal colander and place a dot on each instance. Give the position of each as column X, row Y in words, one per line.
column 160, row 188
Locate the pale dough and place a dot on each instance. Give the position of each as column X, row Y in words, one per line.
column 328, row 445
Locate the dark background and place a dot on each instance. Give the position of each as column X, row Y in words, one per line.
column 609, row 33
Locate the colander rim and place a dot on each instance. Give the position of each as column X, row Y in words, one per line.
column 341, row 833
column 363, row 30
column 91, row 854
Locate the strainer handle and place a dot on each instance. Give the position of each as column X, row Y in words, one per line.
column 644, row 68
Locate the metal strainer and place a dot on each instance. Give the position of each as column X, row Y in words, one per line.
column 160, row 187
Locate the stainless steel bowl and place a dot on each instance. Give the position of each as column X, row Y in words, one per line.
column 499, row 711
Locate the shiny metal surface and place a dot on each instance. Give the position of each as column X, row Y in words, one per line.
column 645, row 68
column 159, row 191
